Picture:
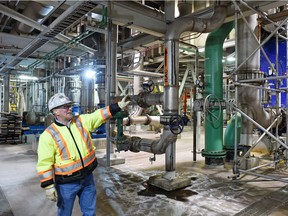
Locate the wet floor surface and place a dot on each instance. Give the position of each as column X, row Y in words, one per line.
column 129, row 194
column 123, row 189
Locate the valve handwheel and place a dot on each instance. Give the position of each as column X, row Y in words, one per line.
column 176, row 124
column 150, row 85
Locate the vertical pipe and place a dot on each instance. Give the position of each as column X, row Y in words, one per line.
column 236, row 99
column 108, row 89
column 170, row 157
column 196, row 115
column 114, row 33
column 171, row 99
column 171, row 79
column 213, row 152
column 6, row 92
column 113, row 58
column 195, row 120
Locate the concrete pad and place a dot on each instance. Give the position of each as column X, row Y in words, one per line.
column 167, row 184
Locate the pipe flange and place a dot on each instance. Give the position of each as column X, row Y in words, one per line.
column 250, row 74
column 148, row 120
column 134, row 144
column 214, row 154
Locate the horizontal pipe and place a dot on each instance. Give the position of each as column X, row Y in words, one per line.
column 146, row 120
column 155, row 146
column 142, row 73
column 144, row 99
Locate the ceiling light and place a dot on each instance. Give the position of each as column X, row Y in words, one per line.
column 230, row 58
column 89, row 73
column 25, row 77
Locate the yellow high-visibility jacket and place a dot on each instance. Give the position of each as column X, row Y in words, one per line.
column 64, row 151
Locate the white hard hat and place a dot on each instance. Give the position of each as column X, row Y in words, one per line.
column 57, row 100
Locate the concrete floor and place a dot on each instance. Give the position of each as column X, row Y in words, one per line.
column 122, row 189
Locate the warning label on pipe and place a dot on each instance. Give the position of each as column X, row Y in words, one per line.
column 166, row 67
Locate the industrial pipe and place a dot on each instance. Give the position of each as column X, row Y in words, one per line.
column 193, row 24
column 35, row 11
column 144, row 99
column 146, row 120
column 248, row 98
column 153, row 146
column 213, row 152
column 166, row 144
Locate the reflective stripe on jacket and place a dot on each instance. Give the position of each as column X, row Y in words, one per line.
column 57, row 151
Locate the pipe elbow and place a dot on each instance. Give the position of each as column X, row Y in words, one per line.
column 266, row 117
column 217, row 19
column 194, row 24
column 166, row 139
column 158, row 146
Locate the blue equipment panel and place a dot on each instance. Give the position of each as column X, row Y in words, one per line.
column 270, row 49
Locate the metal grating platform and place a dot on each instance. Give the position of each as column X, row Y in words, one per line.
column 268, row 204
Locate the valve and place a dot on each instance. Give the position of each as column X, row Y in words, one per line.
column 176, row 124
column 149, row 86
column 199, row 83
column 279, row 158
column 121, row 141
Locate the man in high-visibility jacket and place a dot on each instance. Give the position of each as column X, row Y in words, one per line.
column 66, row 155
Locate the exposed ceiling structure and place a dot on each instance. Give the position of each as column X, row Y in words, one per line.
column 35, row 32
column 165, row 40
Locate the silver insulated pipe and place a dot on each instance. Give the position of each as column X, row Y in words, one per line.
column 249, row 100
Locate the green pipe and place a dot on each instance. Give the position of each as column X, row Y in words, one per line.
column 213, row 152
column 229, row 135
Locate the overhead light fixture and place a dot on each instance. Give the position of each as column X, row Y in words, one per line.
column 231, row 58
column 90, row 73
column 25, row 77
